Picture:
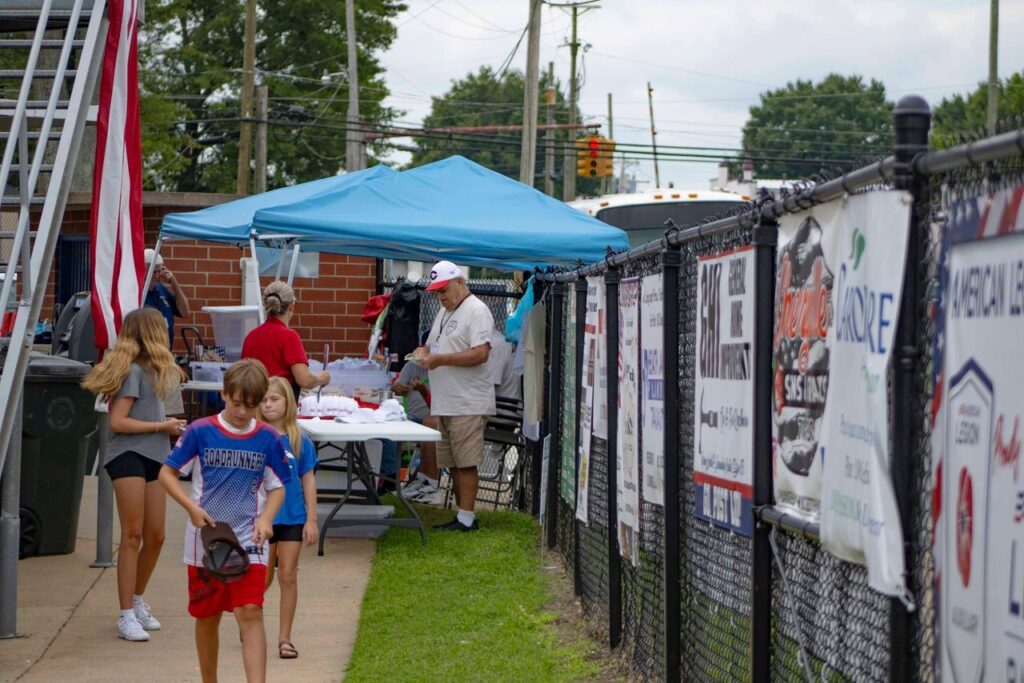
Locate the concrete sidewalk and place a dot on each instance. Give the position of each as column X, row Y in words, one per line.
column 68, row 611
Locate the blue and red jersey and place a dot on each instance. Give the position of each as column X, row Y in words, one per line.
column 231, row 475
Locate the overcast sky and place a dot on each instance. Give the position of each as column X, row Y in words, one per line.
column 707, row 60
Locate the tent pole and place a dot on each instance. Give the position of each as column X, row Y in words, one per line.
column 294, row 264
column 256, row 267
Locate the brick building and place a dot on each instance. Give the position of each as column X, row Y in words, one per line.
column 328, row 306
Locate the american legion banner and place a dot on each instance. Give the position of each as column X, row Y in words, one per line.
column 839, row 281
column 980, row 485
column 723, row 417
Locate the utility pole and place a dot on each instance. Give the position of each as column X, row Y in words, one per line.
column 248, row 80
column 607, row 183
column 569, row 162
column 353, row 146
column 528, row 155
column 568, row 165
column 549, row 134
column 259, row 183
column 993, row 70
column 654, row 134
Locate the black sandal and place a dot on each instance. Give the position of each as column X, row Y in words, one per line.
column 287, row 651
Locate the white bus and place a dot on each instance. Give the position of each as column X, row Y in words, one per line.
column 643, row 214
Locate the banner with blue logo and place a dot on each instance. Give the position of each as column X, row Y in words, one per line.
column 859, row 517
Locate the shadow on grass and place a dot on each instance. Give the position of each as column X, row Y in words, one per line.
column 467, row 606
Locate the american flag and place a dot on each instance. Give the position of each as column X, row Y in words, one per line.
column 116, row 238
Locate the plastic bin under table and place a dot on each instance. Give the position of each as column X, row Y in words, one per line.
column 354, row 460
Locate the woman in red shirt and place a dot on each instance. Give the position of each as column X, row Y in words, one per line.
column 278, row 346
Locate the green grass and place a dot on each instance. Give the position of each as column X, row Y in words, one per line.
column 465, row 607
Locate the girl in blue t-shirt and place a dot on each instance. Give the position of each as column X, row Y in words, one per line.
column 296, row 523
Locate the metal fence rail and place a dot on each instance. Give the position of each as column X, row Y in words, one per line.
column 702, row 602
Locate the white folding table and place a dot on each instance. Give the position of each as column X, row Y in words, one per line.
column 351, row 438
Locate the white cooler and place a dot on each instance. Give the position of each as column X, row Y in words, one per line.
column 230, row 326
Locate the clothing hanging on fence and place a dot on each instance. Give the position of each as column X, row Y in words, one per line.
column 401, row 326
column 533, row 370
column 514, row 324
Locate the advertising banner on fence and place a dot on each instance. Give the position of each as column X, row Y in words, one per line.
column 800, row 355
column 859, row 517
column 724, row 390
column 628, row 433
column 567, row 451
column 590, row 346
column 652, row 394
column 597, row 291
column 980, row 534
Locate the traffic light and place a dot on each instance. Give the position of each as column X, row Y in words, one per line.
column 587, row 156
column 606, row 167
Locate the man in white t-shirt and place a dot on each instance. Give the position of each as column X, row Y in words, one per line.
column 461, row 386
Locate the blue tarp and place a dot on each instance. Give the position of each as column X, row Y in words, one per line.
column 232, row 221
column 452, row 209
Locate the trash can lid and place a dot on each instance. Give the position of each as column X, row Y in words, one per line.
column 42, row 366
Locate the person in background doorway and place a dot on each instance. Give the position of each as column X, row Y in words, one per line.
column 166, row 296
column 278, row 346
column 462, row 391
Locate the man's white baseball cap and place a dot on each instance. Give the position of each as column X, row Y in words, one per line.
column 441, row 274
column 149, row 255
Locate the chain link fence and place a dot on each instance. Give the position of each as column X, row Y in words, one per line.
column 817, row 617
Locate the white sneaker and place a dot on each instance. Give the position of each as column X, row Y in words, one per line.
column 427, row 495
column 145, row 617
column 412, row 487
column 129, row 628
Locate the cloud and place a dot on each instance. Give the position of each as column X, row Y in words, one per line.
column 707, row 60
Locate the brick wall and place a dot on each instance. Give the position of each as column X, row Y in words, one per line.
column 328, row 307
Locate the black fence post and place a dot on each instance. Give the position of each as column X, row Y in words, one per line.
column 581, row 317
column 611, row 280
column 911, row 121
column 534, row 447
column 671, row 260
column 765, row 237
column 554, row 403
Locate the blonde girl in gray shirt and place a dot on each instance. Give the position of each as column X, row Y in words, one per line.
column 135, row 375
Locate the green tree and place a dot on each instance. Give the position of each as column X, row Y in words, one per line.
column 485, row 99
column 969, row 113
column 190, row 74
column 803, row 127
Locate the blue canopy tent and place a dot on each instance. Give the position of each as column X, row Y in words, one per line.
column 452, row 209
column 232, row 221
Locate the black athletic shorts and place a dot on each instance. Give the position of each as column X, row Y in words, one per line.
column 287, row 532
column 131, row 464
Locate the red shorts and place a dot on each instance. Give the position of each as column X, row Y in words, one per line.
column 208, row 597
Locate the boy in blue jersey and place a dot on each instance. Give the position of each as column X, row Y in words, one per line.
column 238, row 468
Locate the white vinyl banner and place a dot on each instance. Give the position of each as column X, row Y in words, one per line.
column 859, row 516
column 722, row 420
column 980, row 534
column 601, row 332
column 628, row 433
column 652, row 375
column 590, row 345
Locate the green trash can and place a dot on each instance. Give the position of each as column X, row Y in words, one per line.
column 58, row 422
